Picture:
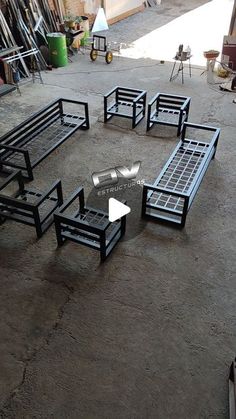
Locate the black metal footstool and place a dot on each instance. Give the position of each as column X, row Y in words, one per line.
column 88, row 226
column 125, row 102
column 167, row 109
column 29, row 206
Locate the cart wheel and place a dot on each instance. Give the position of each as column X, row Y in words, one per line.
column 93, row 54
column 109, row 57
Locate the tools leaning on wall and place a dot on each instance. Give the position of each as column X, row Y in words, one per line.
column 28, row 24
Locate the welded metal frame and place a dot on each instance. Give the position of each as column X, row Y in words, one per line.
column 132, row 100
column 99, row 43
column 180, row 68
column 168, row 109
column 19, row 208
column 15, row 145
column 87, row 226
column 170, row 197
column 232, row 390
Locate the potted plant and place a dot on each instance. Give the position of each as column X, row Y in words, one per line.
column 69, row 21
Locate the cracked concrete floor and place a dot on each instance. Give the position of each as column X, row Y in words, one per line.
column 152, row 331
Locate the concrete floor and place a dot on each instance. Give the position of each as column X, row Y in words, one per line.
column 152, row 331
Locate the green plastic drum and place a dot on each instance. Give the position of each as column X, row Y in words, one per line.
column 57, row 49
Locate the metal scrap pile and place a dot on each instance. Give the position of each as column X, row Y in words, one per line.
column 26, row 23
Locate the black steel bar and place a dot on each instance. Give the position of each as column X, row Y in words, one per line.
column 18, row 208
column 33, row 128
column 176, row 186
column 133, row 99
column 174, row 106
column 87, row 226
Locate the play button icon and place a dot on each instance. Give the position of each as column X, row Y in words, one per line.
column 116, row 209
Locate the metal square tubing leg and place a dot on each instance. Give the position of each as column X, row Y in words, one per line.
column 180, row 69
column 57, row 223
column 103, row 246
column 172, row 72
column 189, row 68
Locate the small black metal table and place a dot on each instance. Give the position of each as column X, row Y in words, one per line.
column 180, row 68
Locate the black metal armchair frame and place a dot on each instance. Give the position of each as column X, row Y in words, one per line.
column 29, row 206
column 88, row 226
column 170, row 197
column 26, row 145
column 127, row 103
column 168, row 109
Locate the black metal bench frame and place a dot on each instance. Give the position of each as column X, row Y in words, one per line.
column 168, row 109
column 17, row 207
column 88, row 226
column 132, row 100
column 15, row 145
column 170, row 197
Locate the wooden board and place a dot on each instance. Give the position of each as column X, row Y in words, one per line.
column 126, row 14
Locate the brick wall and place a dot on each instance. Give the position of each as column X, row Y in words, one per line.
column 73, row 7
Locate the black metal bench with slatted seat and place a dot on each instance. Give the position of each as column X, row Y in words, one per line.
column 29, row 206
column 168, row 109
column 26, row 145
column 170, row 197
column 87, row 226
column 125, row 102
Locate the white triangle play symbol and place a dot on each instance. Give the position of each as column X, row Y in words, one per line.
column 116, row 209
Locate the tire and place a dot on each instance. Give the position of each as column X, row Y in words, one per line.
column 93, row 54
column 109, row 57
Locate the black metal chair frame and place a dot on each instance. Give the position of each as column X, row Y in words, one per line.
column 19, row 208
column 30, row 142
column 170, row 197
column 131, row 101
column 88, row 226
column 168, row 109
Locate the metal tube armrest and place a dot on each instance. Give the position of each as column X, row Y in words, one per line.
column 77, row 102
column 68, row 202
column 111, row 91
column 185, row 104
column 154, row 99
column 13, row 148
column 55, row 185
column 140, row 96
column 15, row 175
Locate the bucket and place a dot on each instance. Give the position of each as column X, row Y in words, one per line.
column 57, row 49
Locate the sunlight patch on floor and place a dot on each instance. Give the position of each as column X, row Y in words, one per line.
column 202, row 29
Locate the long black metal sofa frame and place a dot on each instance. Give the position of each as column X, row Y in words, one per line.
column 26, row 145
column 170, row 197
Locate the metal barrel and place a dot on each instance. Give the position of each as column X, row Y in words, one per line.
column 57, row 49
